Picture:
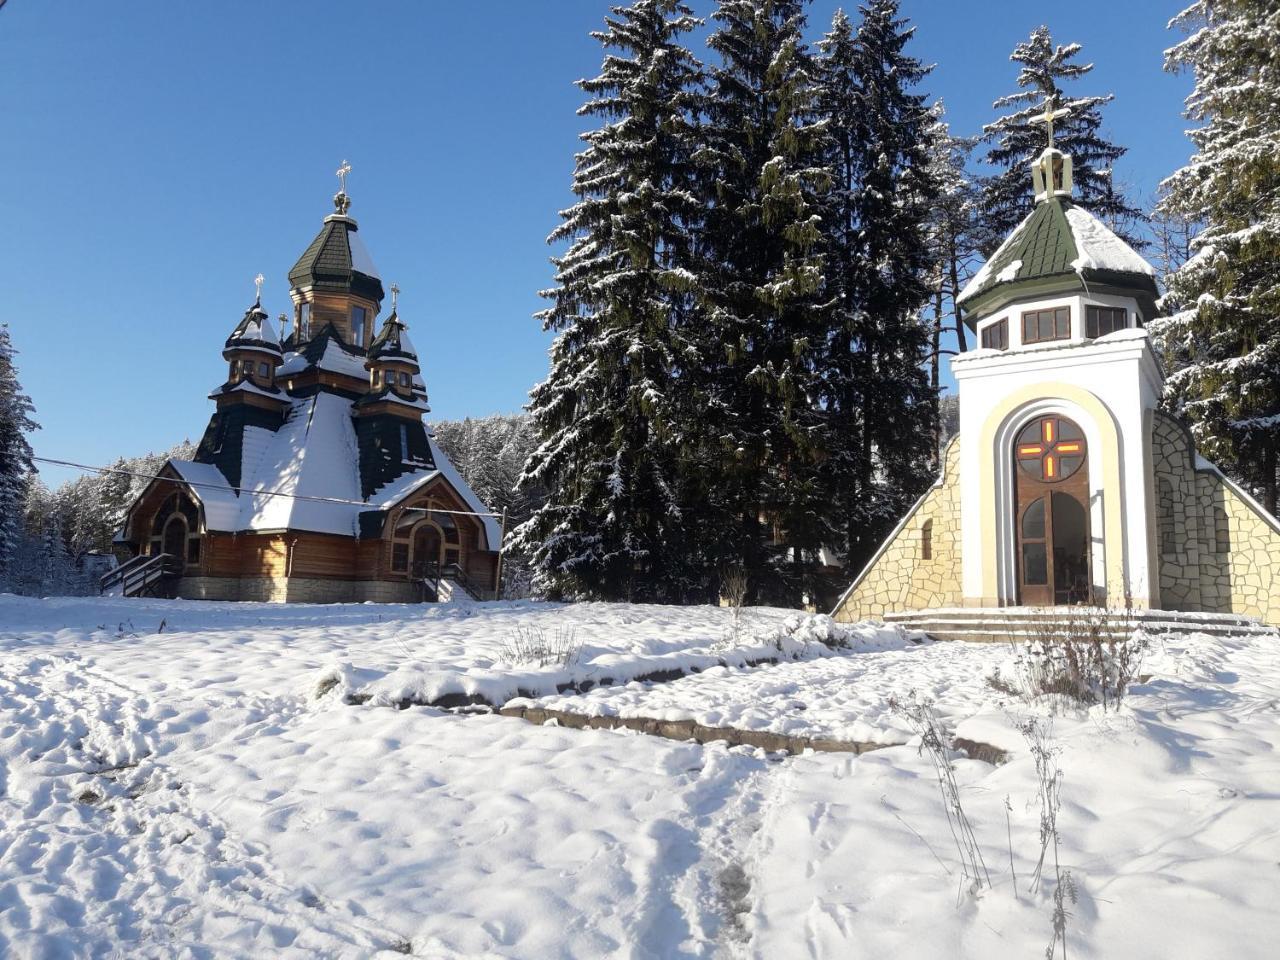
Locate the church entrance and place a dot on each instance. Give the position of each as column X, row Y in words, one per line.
column 426, row 551
column 1052, row 518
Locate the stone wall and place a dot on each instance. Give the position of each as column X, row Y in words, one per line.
column 900, row 577
column 297, row 590
column 1219, row 552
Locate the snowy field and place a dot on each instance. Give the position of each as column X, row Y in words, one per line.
column 191, row 792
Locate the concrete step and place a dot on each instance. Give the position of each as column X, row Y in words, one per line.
column 1003, row 624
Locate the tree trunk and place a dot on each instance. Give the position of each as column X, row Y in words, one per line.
column 961, row 344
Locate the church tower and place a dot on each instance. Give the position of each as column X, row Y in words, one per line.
column 1055, row 506
column 1067, row 485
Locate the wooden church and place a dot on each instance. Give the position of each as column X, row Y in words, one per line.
column 317, row 479
column 1067, row 484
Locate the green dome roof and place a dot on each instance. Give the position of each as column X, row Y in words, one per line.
column 337, row 261
column 1059, row 247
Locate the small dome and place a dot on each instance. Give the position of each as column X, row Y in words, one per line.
column 255, row 331
column 393, row 343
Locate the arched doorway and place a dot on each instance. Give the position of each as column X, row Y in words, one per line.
column 426, row 550
column 174, row 541
column 175, row 530
column 1052, row 518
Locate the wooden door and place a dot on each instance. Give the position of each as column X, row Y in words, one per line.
column 426, row 551
column 1052, row 513
column 174, row 543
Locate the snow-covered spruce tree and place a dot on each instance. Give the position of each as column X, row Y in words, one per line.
column 607, row 414
column 1222, row 334
column 15, row 453
column 1015, row 140
column 880, row 262
column 953, row 239
column 761, row 295
column 953, row 222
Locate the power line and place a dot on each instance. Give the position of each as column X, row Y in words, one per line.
column 238, row 491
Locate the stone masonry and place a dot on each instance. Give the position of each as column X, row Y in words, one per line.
column 1219, row 553
column 901, row 577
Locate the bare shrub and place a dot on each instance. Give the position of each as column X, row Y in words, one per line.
column 1086, row 656
column 531, row 644
column 1049, row 780
column 733, row 587
column 934, row 741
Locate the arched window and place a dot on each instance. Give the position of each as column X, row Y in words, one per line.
column 926, row 540
column 1050, row 449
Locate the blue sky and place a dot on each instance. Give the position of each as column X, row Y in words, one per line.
column 157, row 155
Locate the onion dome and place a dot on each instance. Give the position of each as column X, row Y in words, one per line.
column 337, row 261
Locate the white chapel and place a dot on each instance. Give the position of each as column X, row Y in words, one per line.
column 1066, row 483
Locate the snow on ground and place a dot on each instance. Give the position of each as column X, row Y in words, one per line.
column 186, row 793
column 841, row 698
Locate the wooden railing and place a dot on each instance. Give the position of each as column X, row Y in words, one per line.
column 137, row 575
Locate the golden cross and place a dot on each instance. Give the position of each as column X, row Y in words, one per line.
column 342, row 175
column 257, row 282
column 1049, row 116
column 395, row 296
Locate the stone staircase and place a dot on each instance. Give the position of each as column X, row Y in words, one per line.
column 1006, row 624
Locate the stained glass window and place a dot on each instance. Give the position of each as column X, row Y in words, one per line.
column 1050, row 449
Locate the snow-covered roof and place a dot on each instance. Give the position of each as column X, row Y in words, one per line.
column 247, row 386
column 334, row 359
column 1098, row 248
column 221, row 505
column 1060, row 239
column 313, row 455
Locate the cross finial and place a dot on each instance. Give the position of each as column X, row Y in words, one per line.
column 1049, row 116
column 342, row 175
column 395, row 296
column 257, row 282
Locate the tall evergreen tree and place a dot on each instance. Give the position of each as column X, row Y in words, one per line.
column 607, row 413
column 1015, row 140
column 880, row 262
column 15, row 453
column 761, row 286
column 1222, row 335
column 953, row 239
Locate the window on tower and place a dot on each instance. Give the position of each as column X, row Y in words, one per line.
column 1040, row 326
column 357, row 325
column 304, row 320
column 996, row 336
column 1099, row 321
